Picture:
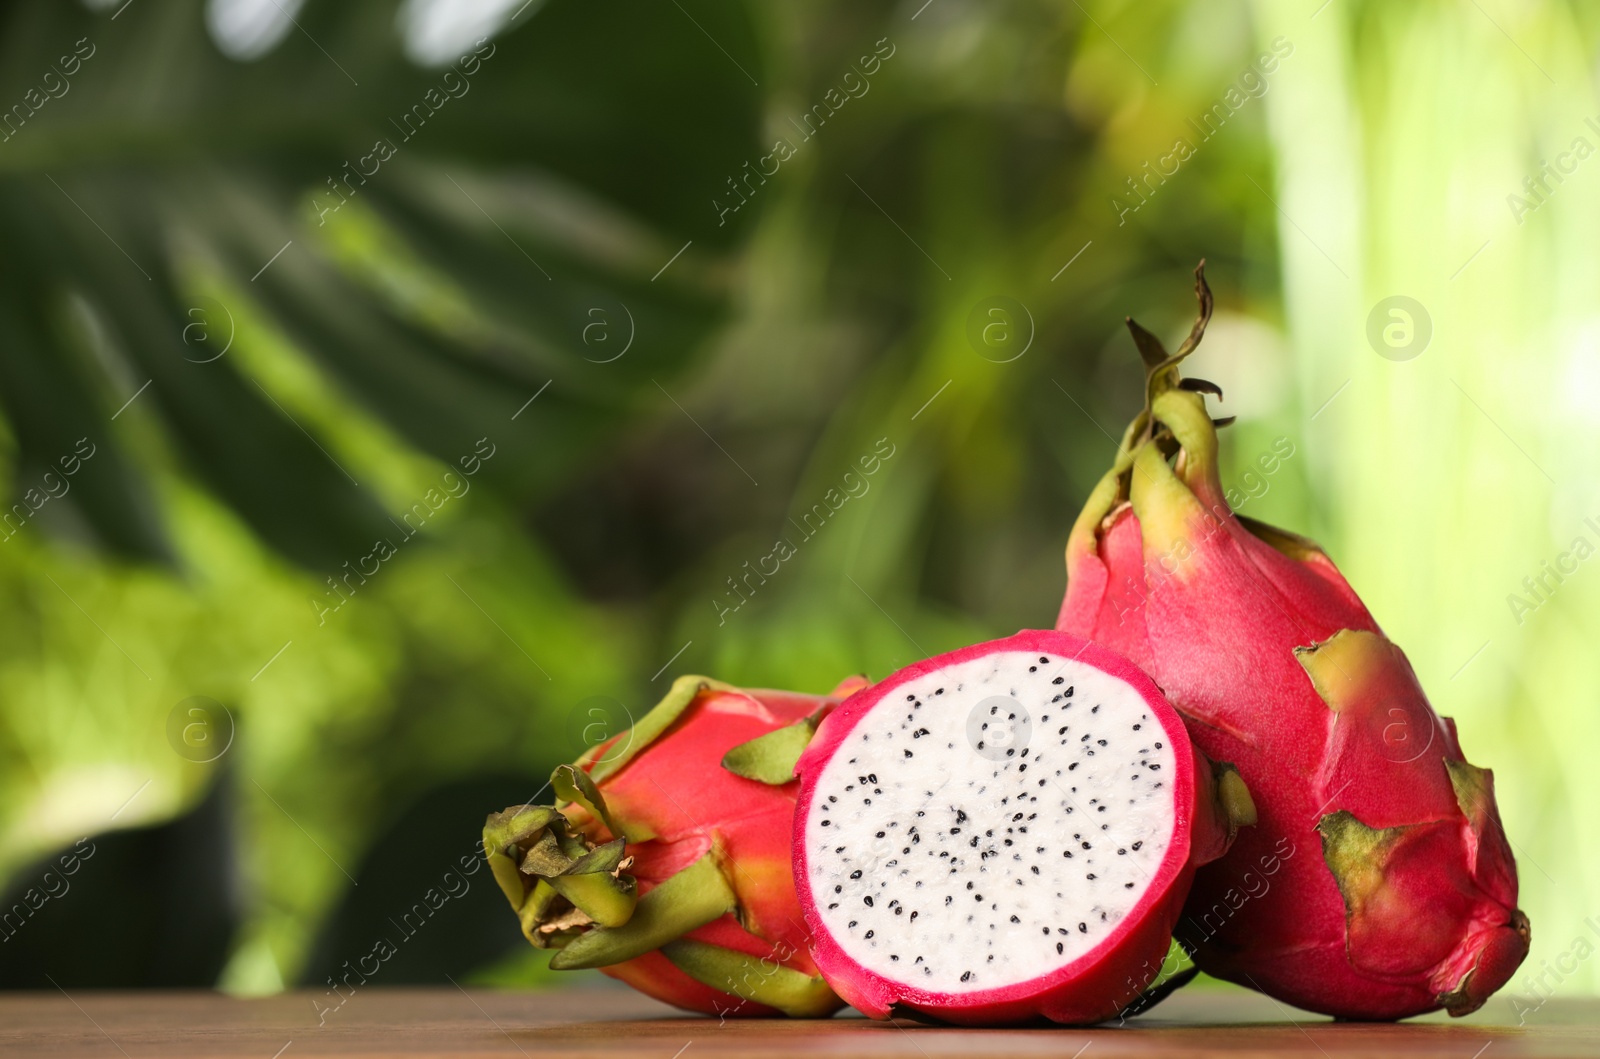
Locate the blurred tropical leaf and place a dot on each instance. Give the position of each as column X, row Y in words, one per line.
column 139, row 157
column 269, row 330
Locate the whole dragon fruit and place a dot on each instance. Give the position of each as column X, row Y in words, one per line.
column 1378, row 882
column 665, row 862
column 1004, row 832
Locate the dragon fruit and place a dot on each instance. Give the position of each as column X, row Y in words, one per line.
column 1378, row 883
column 665, row 862
column 1004, row 832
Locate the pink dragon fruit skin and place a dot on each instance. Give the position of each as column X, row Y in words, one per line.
column 1378, row 882
column 695, row 905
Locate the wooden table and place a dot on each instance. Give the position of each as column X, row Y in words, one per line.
column 616, row 1023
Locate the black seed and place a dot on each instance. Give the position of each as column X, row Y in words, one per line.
column 870, row 933
column 1158, row 746
column 1137, row 727
column 1155, row 768
column 948, row 898
column 837, row 889
column 899, row 911
column 1127, row 886
column 966, row 975
column 826, row 823
column 1122, row 852
column 1058, row 948
column 867, row 900
column 856, row 874
column 834, row 905
column 880, row 834
column 852, row 922
column 1102, row 742
column 1083, row 928
column 1035, row 871
column 913, row 915
column 908, row 753
column 1059, row 680
column 893, row 957
column 1136, row 845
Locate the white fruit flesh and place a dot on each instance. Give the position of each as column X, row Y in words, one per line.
column 990, row 822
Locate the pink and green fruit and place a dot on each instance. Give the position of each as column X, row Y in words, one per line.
column 665, row 860
column 1392, row 889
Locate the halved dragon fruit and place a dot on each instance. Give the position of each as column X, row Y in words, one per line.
column 1004, row 832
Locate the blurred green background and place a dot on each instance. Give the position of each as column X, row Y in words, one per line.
column 555, row 318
